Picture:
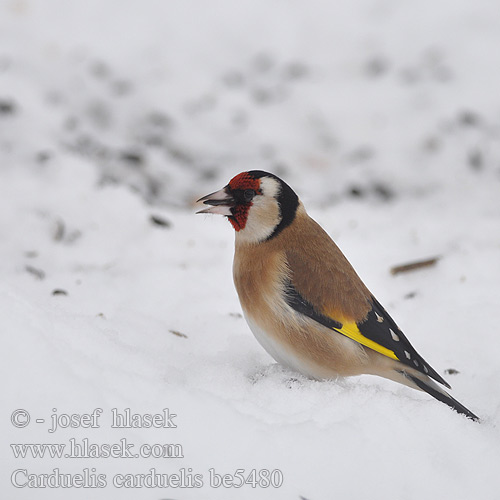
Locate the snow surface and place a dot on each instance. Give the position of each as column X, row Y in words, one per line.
column 385, row 118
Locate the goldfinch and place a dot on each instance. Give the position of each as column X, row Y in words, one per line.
column 301, row 297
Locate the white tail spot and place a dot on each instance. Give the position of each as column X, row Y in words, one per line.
column 394, row 336
column 407, row 354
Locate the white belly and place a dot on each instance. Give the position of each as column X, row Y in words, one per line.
column 283, row 355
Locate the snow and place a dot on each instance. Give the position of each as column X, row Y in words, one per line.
column 382, row 115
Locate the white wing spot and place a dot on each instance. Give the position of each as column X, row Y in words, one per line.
column 425, row 369
column 415, row 362
column 379, row 318
column 393, row 335
column 407, row 354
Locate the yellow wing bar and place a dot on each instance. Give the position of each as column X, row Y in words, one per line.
column 351, row 330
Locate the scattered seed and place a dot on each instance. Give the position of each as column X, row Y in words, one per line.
column 356, row 192
column 179, row 334
column 37, row 273
column 121, row 87
column 432, row 144
column 132, row 157
column 43, row 156
column 412, row 266
column 7, row 107
column 476, row 160
column 376, row 66
column 233, row 79
column 263, row 62
column 160, row 221
column 361, row 154
column 383, row 191
column 296, row 70
column 60, row 230
column 469, row 118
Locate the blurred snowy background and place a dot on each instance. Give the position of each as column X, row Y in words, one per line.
column 115, row 116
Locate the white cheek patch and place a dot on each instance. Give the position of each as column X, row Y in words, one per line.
column 263, row 215
column 270, row 187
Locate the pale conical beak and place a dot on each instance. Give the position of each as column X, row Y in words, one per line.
column 221, row 202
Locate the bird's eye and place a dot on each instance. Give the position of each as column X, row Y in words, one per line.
column 248, row 194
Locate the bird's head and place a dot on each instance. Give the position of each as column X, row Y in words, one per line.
column 258, row 204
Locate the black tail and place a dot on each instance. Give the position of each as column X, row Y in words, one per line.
column 436, row 392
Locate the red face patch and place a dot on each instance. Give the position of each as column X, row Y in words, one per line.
column 239, row 219
column 241, row 182
column 244, row 181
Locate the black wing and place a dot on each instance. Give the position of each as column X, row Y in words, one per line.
column 378, row 332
